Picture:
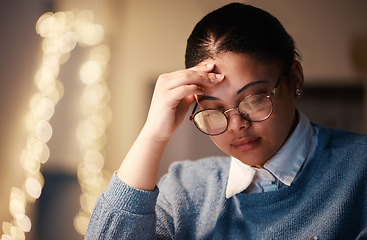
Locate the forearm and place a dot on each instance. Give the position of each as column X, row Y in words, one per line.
column 173, row 95
column 122, row 212
column 139, row 169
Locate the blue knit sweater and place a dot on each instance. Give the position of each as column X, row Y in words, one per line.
column 328, row 200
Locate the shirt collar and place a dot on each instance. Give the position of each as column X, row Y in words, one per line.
column 284, row 165
column 240, row 177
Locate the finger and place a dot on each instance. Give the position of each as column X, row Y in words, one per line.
column 206, row 69
column 185, row 76
column 198, row 78
column 190, row 77
column 204, row 66
column 215, row 77
column 175, row 95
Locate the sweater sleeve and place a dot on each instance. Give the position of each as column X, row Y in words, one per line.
column 123, row 212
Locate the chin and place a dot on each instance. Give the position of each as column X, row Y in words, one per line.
column 251, row 159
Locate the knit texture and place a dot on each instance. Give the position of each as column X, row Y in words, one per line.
column 328, row 200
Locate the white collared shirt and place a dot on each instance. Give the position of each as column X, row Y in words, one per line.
column 280, row 169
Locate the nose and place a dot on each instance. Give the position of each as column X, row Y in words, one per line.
column 235, row 120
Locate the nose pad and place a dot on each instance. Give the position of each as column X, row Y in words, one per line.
column 247, row 123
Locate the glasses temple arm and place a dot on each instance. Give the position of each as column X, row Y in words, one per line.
column 194, row 109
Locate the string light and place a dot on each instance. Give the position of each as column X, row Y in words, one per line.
column 91, row 133
column 62, row 32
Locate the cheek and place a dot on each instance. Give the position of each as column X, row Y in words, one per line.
column 281, row 122
column 222, row 142
column 284, row 108
column 284, row 114
column 272, row 132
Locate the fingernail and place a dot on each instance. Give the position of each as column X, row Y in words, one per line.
column 209, row 65
column 200, row 89
column 216, row 78
column 219, row 77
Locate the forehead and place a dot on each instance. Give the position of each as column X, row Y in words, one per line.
column 241, row 74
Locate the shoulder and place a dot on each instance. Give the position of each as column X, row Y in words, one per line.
column 219, row 163
column 341, row 139
column 343, row 147
column 206, row 172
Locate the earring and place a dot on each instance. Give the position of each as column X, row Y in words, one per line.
column 298, row 92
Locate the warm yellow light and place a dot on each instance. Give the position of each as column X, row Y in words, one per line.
column 90, row 72
column 46, row 85
column 88, row 33
column 57, row 93
column 92, row 178
column 33, row 187
column 6, row 228
column 93, row 161
column 101, row 54
column 101, row 107
column 64, row 57
column 67, row 42
column 16, row 207
column 29, row 162
column 35, row 102
column 91, row 34
column 44, row 131
column 38, row 149
column 106, row 114
column 50, row 23
column 94, row 94
column 87, row 201
column 17, row 202
column 44, row 24
column 44, row 154
column 45, row 108
column 95, row 126
column 17, row 233
column 86, row 16
column 46, row 75
column 51, row 60
column 31, row 121
column 23, row 222
column 50, row 44
column 6, row 237
column 62, row 31
column 81, row 222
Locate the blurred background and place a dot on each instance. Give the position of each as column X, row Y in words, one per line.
column 50, row 170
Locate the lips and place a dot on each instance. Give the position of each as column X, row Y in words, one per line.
column 245, row 144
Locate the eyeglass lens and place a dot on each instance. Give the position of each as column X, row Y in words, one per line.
column 253, row 108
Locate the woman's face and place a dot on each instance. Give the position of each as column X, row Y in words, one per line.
column 251, row 142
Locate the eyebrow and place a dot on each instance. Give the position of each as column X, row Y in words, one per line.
column 244, row 88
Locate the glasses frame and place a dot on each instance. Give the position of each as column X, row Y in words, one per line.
column 224, row 112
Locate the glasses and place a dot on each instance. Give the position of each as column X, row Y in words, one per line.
column 253, row 108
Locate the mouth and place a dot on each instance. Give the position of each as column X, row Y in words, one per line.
column 245, row 144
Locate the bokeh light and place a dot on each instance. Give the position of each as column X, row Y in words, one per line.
column 90, row 72
column 91, row 131
column 33, row 187
column 23, row 222
column 62, row 32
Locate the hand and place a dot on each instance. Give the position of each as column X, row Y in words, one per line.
column 173, row 95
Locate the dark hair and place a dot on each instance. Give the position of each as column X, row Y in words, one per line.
column 240, row 28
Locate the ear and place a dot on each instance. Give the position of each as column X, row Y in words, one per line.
column 296, row 79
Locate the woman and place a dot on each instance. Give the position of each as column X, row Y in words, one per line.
column 285, row 178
